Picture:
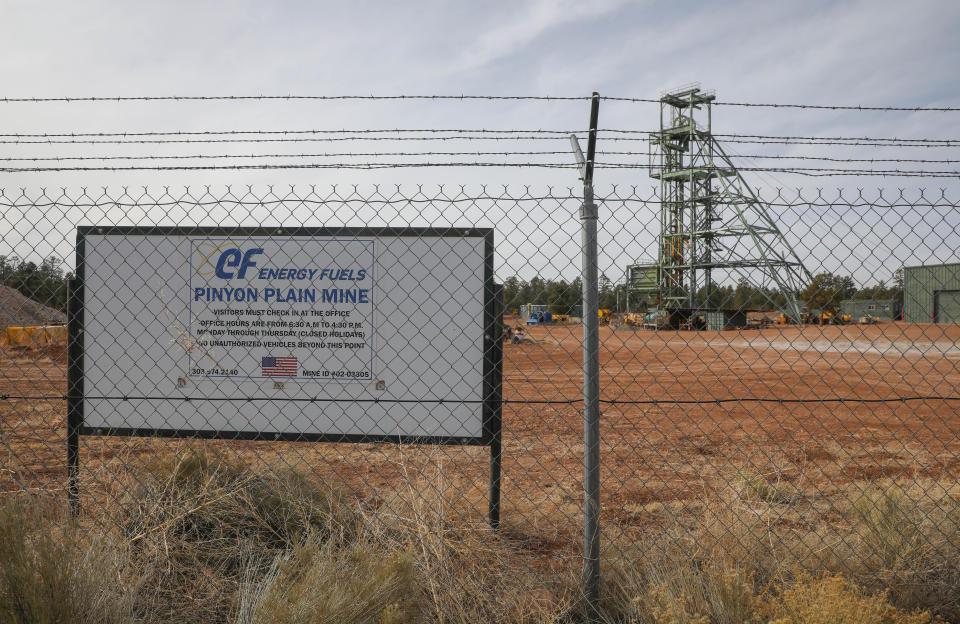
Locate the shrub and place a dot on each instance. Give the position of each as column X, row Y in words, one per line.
column 887, row 544
column 713, row 594
column 895, row 547
column 834, row 600
column 207, row 499
column 49, row 576
column 756, row 485
column 199, row 522
column 331, row 583
column 467, row 573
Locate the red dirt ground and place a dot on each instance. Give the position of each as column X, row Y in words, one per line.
column 666, row 451
column 654, row 454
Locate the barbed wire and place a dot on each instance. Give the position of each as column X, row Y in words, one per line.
column 848, row 107
column 456, row 153
column 464, row 97
column 807, row 171
column 306, row 131
column 933, row 145
column 457, row 137
column 315, row 155
column 336, row 165
column 189, row 98
column 782, row 136
column 854, row 107
column 844, row 160
column 466, row 137
column 832, row 138
column 505, row 131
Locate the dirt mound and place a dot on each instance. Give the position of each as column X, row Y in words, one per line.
column 16, row 309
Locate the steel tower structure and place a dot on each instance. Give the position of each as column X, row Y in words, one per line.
column 710, row 219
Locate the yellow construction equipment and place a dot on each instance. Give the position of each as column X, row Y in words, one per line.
column 824, row 317
column 842, row 319
column 828, row 317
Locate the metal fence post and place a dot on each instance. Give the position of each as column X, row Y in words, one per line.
column 591, row 379
column 496, row 448
column 74, row 394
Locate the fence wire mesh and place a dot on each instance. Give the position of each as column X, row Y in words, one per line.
column 738, row 446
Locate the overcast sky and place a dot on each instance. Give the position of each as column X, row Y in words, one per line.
column 816, row 52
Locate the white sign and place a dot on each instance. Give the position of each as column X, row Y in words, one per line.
column 309, row 334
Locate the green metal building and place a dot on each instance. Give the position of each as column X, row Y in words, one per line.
column 931, row 293
column 643, row 286
column 880, row 308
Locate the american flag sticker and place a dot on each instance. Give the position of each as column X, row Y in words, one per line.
column 279, row 366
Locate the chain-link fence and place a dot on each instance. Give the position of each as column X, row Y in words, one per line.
column 253, row 369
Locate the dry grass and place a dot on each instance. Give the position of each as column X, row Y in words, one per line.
column 52, row 574
column 680, row 576
column 468, row 573
column 717, row 592
column 332, row 583
column 905, row 543
column 198, row 521
column 769, row 488
column 744, row 553
column 225, row 543
column 202, row 538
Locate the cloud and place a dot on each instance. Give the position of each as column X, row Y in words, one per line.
column 516, row 29
column 821, row 52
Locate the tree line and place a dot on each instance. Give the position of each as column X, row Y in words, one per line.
column 824, row 292
column 44, row 283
